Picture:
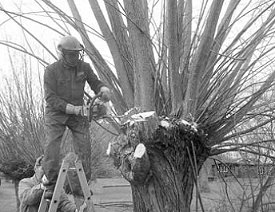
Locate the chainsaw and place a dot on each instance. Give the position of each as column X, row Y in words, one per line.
column 94, row 108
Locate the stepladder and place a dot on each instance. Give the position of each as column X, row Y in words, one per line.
column 71, row 162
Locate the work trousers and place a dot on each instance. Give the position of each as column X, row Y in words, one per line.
column 55, row 129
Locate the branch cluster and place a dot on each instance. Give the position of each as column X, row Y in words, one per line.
column 175, row 140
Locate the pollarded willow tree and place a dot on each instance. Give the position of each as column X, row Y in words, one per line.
column 192, row 75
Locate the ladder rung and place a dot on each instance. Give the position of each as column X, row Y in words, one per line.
column 72, row 168
column 52, row 205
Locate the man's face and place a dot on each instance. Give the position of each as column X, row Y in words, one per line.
column 71, row 57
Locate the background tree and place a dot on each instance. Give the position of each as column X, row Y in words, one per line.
column 21, row 125
column 203, row 78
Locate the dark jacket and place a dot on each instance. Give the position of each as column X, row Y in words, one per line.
column 63, row 85
column 30, row 194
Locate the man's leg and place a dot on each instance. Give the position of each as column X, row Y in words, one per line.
column 82, row 145
column 54, row 133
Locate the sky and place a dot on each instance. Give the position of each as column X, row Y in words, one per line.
column 10, row 31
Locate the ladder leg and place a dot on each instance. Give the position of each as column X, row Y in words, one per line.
column 53, row 205
column 59, row 186
column 84, row 186
column 44, row 204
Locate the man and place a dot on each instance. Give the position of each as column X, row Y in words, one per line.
column 31, row 191
column 64, row 83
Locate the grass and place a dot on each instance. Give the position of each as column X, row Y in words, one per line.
column 230, row 195
column 110, row 195
column 7, row 197
column 114, row 195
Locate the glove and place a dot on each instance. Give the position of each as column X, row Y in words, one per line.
column 44, row 180
column 76, row 110
column 83, row 207
column 105, row 94
column 42, row 186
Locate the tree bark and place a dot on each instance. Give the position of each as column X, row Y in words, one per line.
column 112, row 41
column 16, row 187
column 185, row 37
column 200, row 59
column 174, row 154
column 203, row 179
column 167, row 190
column 173, row 55
column 263, row 190
column 143, row 57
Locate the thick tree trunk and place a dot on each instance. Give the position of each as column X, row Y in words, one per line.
column 168, row 189
column 203, row 179
column 142, row 51
column 161, row 159
column 16, row 186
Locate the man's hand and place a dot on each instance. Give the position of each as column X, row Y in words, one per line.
column 44, row 180
column 42, row 186
column 82, row 208
column 105, row 94
column 76, row 110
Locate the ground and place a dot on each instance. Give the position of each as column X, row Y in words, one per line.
column 114, row 195
column 110, row 195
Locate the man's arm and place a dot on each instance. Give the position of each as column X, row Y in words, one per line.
column 29, row 193
column 65, row 205
column 50, row 91
column 93, row 81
